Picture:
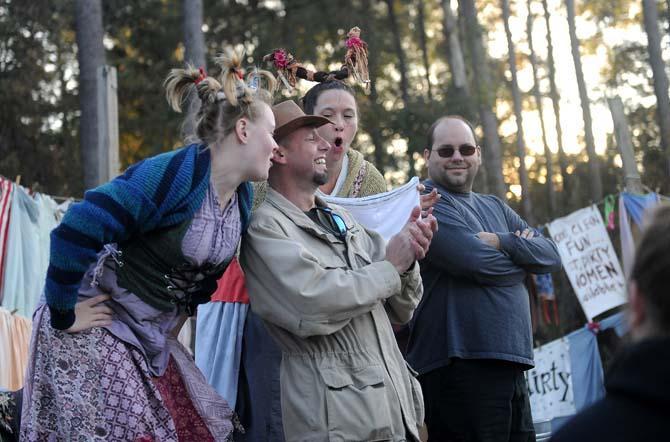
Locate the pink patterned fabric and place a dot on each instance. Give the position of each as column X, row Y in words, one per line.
column 176, row 399
column 92, row 386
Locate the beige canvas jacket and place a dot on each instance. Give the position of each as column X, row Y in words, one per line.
column 328, row 307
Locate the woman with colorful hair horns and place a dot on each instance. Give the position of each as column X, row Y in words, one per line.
column 350, row 174
column 130, row 261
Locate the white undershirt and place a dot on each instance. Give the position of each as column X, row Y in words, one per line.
column 340, row 179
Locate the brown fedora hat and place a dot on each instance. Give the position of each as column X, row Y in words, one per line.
column 289, row 117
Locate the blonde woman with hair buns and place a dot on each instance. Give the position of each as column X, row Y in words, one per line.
column 132, row 260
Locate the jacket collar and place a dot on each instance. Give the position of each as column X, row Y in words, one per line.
column 298, row 217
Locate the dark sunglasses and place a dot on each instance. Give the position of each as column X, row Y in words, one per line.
column 448, row 151
column 338, row 225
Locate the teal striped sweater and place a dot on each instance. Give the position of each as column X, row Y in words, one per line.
column 161, row 191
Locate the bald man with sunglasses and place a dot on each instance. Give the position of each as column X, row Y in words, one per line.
column 471, row 336
column 327, row 290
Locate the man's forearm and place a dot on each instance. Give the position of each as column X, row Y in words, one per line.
column 536, row 255
column 475, row 260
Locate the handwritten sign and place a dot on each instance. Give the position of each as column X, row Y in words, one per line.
column 589, row 260
column 550, row 382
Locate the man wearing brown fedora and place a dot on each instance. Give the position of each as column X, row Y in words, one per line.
column 327, row 290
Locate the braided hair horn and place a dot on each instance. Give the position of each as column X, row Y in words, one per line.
column 289, row 69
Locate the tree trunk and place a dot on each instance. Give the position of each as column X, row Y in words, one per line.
column 526, row 206
column 555, row 101
column 375, row 130
column 594, row 164
column 650, row 10
column 453, row 35
column 485, row 100
column 551, row 192
column 421, row 27
column 65, row 137
column 455, row 54
column 402, row 67
column 91, row 56
column 455, row 59
column 65, row 132
column 194, row 54
column 631, row 176
column 397, row 43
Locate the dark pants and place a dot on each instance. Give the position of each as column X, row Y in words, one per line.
column 477, row 400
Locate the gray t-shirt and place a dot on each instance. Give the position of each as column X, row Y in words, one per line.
column 475, row 303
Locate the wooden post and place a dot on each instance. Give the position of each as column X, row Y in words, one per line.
column 632, row 181
column 108, row 127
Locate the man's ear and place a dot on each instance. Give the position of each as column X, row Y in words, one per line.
column 426, row 154
column 241, row 128
column 637, row 307
column 279, row 155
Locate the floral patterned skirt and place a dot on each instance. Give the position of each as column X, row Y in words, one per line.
column 91, row 386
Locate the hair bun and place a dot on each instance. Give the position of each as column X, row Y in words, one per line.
column 180, row 81
column 232, row 78
column 232, row 74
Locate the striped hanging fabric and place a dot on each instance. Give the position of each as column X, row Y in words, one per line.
column 6, row 189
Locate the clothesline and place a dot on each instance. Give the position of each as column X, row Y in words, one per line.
column 599, row 204
column 58, row 198
column 62, row 199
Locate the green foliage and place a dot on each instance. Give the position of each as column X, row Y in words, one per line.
column 608, row 12
column 38, row 108
column 144, row 40
column 629, row 67
column 38, row 75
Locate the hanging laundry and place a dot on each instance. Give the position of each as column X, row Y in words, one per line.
column 64, row 206
column 219, row 331
column 533, row 300
column 608, row 211
column 545, row 291
column 586, row 366
column 14, row 342
column 6, row 189
column 637, row 205
column 633, row 207
column 27, row 254
column 626, row 238
column 616, row 322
